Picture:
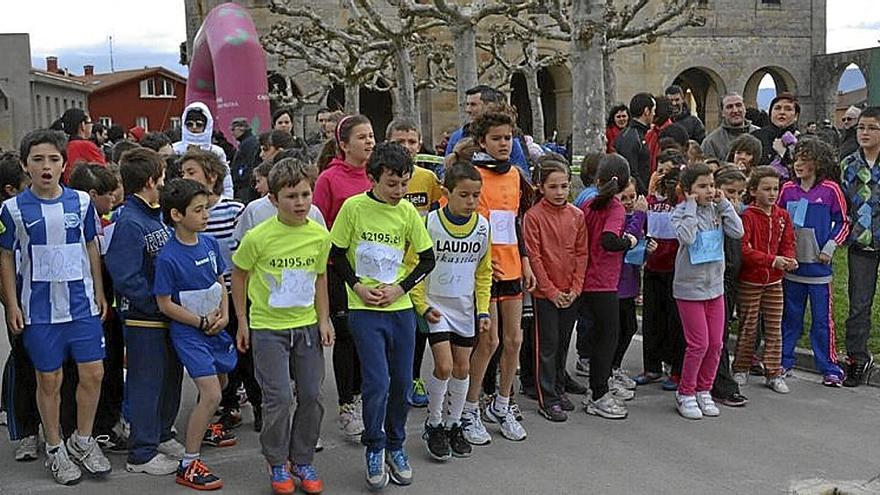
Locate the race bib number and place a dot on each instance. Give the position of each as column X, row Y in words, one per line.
column 57, row 263
column 295, row 290
column 455, row 280
column 202, row 301
column 660, row 225
column 503, row 224
column 378, row 261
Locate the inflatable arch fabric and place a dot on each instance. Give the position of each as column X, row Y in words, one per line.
column 227, row 71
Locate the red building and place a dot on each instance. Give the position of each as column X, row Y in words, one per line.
column 152, row 97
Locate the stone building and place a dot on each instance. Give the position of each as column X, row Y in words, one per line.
column 740, row 43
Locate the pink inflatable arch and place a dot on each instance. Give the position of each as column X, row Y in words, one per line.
column 228, row 69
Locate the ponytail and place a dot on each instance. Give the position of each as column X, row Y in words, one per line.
column 612, row 177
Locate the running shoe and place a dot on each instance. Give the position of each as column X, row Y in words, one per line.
column 197, row 476
column 308, row 479
column 419, row 396
column 216, row 436
column 398, row 467
column 474, row 430
column 437, row 442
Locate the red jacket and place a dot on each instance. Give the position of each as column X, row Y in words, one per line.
column 766, row 237
column 556, row 239
column 612, row 132
column 81, row 151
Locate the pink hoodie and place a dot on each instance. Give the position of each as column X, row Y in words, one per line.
column 337, row 183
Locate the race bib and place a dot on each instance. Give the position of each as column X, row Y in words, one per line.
column 57, row 263
column 378, row 261
column 708, row 248
column 660, row 225
column 455, row 280
column 296, row 289
column 503, row 224
column 202, row 301
column 798, row 211
column 636, row 255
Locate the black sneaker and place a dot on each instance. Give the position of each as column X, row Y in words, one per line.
column 733, row 400
column 112, row 443
column 575, row 387
column 856, row 371
column 437, row 442
column 216, row 436
column 198, row 476
column 565, row 403
column 554, row 413
column 529, row 391
column 460, row 447
column 757, row 369
column 230, row 419
column 258, row 419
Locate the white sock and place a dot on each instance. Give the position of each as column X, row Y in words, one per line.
column 50, row 449
column 81, row 440
column 501, row 404
column 189, row 459
column 457, row 392
column 471, row 406
column 436, row 397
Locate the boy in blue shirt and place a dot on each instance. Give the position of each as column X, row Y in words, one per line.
column 55, row 299
column 189, row 289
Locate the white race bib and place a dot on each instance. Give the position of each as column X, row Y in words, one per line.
column 660, row 225
column 503, row 224
column 57, row 263
column 296, row 290
column 202, row 301
column 456, row 280
column 378, row 261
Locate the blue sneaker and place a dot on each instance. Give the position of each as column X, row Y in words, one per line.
column 282, row 483
column 377, row 478
column 398, row 465
column 670, row 384
column 308, row 478
column 419, row 396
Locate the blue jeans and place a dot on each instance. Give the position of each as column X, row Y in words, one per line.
column 152, row 390
column 385, row 342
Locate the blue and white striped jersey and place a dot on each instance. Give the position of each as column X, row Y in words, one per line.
column 55, row 276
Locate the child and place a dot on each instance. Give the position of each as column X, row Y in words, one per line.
column 745, row 151
column 700, row 223
column 462, row 275
column 818, row 210
column 604, row 216
column 732, row 183
column 556, row 238
column 58, row 302
column 223, row 216
column 424, row 192
column 289, row 316
column 500, row 204
column 768, row 250
column 154, row 374
column 369, row 236
column 345, row 176
column 588, row 178
column 189, row 290
column 261, row 178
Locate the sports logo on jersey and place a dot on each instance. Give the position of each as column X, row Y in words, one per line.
column 72, row 220
column 418, row 199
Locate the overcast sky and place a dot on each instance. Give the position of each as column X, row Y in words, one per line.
column 149, row 33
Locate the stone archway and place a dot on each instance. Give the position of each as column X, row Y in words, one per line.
column 703, row 89
column 560, row 75
column 852, row 90
column 782, row 79
column 376, row 105
column 827, row 70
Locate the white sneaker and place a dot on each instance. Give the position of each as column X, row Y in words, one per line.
column 777, row 384
column 687, row 406
column 511, row 429
column 741, row 378
column 474, row 430
column 350, row 421
column 619, row 391
column 159, row 465
column 172, row 448
column 64, row 471
column 319, row 445
column 28, row 449
column 607, row 407
column 707, row 405
column 622, row 378
column 3, row 419
column 89, row 456
column 122, row 429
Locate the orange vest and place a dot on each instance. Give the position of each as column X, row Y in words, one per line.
column 499, row 203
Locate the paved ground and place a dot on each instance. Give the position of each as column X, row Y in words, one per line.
column 807, row 442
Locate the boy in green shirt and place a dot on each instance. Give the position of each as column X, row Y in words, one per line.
column 281, row 267
column 370, row 235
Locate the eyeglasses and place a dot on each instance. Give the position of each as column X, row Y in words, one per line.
column 868, row 128
column 193, row 124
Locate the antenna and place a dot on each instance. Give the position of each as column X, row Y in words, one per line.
column 111, row 53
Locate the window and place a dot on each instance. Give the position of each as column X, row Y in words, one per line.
column 148, row 87
column 39, row 113
column 771, row 2
column 105, row 121
column 166, row 87
column 175, row 122
column 49, row 118
column 143, row 122
column 58, row 107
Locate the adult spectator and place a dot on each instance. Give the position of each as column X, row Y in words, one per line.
column 662, row 120
column 158, row 142
column 681, row 114
column 631, row 143
column 757, row 117
column 618, row 119
column 326, row 120
column 246, row 159
column 282, row 120
column 733, row 124
column 137, row 133
column 198, row 130
column 848, row 142
column 828, row 134
column 115, row 134
column 78, row 126
column 99, row 137
column 476, row 100
column 784, row 113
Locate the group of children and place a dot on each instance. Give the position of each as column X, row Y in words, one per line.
column 374, row 258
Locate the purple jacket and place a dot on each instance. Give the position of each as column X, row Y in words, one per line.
column 628, row 287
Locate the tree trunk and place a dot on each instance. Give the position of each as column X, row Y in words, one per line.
column 610, row 81
column 464, row 38
column 352, row 98
column 588, row 93
column 299, row 120
column 406, row 96
column 531, row 77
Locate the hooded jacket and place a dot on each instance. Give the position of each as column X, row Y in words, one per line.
column 631, row 145
column 203, row 141
column 717, row 143
column 691, row 123
column 765, row 238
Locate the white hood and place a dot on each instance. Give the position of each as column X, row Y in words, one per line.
column 202, row 140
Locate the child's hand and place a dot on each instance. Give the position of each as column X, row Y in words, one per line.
column 485, row 324
column 560, row 301
column 824, row 258
column 529, row 280
column 243, row 336
column 370, row 296
column 390, row 293
column 719, row 195
column 780, row 262
column 792, row 265
column 779, row 146
column 327, row 334
column 216, row 322
column 641, row 204
column 14, row 319
column 651, row 246
column 632, row 240
column 103, row 307
column 433, row 316
column 654, row 181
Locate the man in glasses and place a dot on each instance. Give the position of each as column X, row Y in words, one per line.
column 198, row 127
column 849, row 142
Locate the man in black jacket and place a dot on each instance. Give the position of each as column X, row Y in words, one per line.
column 848, row 142
column 246, row 159
column 631, row 142
column 681, row 114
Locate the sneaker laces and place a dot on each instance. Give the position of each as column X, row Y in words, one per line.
column 306, row 472
column 58, row 458
column 374, row 462
column 400, row 459
column 197, row 468
column 216, row 430
column 280, row 473
column 419, row 387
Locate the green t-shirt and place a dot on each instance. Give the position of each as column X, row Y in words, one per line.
column 283, row 262
column 376, row 236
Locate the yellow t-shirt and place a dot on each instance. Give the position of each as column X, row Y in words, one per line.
column 283, row 262
column 423, row 190
column 376, row 236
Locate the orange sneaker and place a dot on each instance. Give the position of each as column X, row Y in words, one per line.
column 216, row 436
column 308, row 478
column 282, row 483
column 198, row 476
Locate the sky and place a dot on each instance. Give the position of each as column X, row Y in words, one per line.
column 149, row 33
